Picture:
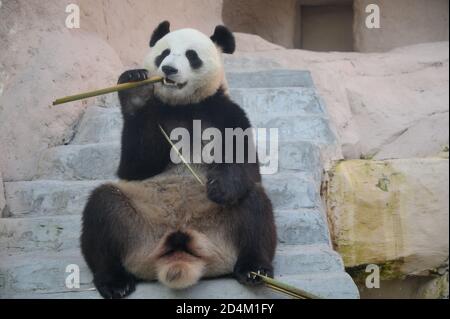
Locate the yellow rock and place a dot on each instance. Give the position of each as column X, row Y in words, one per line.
column 392, row 213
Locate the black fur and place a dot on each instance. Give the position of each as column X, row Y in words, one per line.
column 194, row 59
column 145, row 153
column 224, row 39
column 160, row 58
column 162, row 29
column 178, row 241
column 103, row 241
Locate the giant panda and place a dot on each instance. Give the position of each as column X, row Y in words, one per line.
column 158, row 222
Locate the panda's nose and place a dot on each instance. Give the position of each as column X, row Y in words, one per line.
column 168, row 70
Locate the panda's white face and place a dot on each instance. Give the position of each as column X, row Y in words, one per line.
column 191, row 64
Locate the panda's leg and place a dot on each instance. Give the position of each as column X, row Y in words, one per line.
column 108, row 224
column 255, row 237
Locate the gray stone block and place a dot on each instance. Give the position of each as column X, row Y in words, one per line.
column 100, row 161
column 57, row 233
column 104, row 125
column 333, row 286
column 271, row 102
column 270, row 79
column 99, row 125
column 300, row 128
column 304, row 227
column 19, row 235
column 292, row 190
column 48, row 198
column 79, row 162
column 47, row 271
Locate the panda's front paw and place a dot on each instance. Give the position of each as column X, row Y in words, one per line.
column 226, row 185
column 133, row 76
column 223, row 192
column 244, row 273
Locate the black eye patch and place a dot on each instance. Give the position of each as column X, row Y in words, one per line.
column 160, row 58
column 194, row 59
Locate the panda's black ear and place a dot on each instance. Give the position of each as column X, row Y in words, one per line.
column 162, row 29
column 224, row 39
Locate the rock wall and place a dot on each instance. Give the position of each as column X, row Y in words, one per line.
column 42, row 60
column 383, row 105
column 127, row 25
column 403, row 22
column 326, row 28
column 391, row 213
column 275, row 21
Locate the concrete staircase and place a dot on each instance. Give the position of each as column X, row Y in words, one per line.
column 40, row 237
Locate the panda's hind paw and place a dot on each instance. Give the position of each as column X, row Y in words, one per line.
column 116, row 289
column 247, row 275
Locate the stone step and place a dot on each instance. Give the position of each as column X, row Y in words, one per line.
column 100, row 161
column 48, row 198
column 46, row 272
column 104, row 125
column 270, row 79
column 274, row 78
column 53, row 197
column 99, row 125
column 337, row 285
column 57, row 233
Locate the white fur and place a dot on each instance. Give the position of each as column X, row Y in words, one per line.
column 201, row 83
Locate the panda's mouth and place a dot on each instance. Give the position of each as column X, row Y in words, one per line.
column 172, row 84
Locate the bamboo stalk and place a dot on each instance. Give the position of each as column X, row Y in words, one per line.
column 181, row 157
column 117, row 88
column 286, row 292
column 286, row 289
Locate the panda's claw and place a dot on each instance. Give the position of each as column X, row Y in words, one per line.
column 248, row 274
column 133, row 76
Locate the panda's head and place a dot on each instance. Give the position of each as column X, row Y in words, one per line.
column 190, row 62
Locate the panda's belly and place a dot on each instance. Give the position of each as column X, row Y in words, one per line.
column 176, row 201
column 174, row 198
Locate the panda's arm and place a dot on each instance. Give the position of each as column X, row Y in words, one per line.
column 133, row 101
column 144, row 151
column 227, row 183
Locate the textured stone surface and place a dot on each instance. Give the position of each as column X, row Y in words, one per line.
column 332, row 285
column 393, row 213
column 56, row 233
column 100, row 161
column 104, row 125
column 43, row 198
column 398, row 18
column 287, row 191
column 289, row 260
column 270, row 79
column 372, row 99
column 48, row 271
column 79, row 162
column 99, row 125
